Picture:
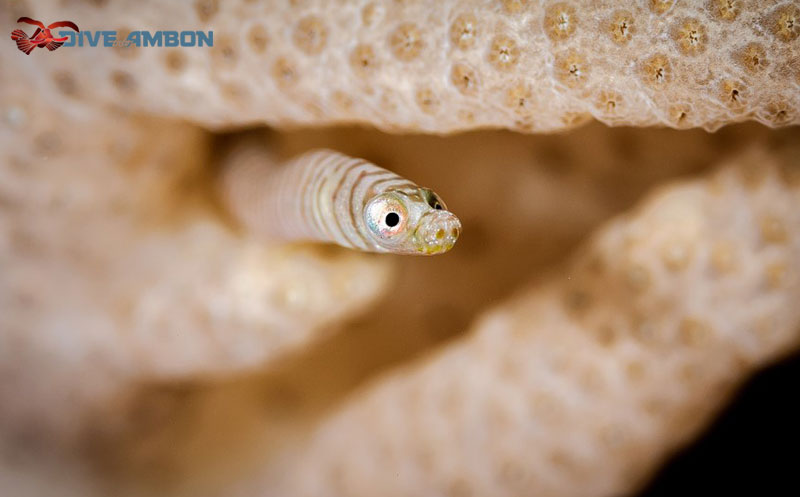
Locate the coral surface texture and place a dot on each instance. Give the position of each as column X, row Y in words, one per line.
column 626, row 177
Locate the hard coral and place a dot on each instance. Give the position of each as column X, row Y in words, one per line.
column 114, row 260
column 143, row 336
column 288, row 63
column 581, row 385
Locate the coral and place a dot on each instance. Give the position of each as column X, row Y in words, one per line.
column 291, row 62
column 150, row 347
column 108, row 230
column 199, row 430
column 582, row 384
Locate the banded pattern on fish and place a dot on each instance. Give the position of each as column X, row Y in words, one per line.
column 329, row 197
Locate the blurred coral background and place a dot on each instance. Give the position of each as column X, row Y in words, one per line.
column 614, row 288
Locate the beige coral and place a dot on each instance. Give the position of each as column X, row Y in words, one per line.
column 197, row 437
column 402, row 65
column 583, row 384
column 144, row 339
column 115, row 264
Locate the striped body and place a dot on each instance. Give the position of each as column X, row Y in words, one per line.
column 321, row 196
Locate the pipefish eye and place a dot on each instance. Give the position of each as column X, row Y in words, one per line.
column 392, row 219
column 386, row 216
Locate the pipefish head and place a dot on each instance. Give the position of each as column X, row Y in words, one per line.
column 411, row 222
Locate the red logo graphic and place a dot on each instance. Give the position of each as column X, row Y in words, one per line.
column 42, row 37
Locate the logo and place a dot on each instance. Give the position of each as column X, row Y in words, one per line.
column 42, row 37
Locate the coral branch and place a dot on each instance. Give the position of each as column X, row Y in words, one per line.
column 447, row 66
column 115, row 268
column 583, row 385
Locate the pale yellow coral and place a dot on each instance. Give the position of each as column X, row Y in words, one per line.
column 114, row 263
column 177, row 437
column 583, row 384
column 287, row 62
column 131, row 311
